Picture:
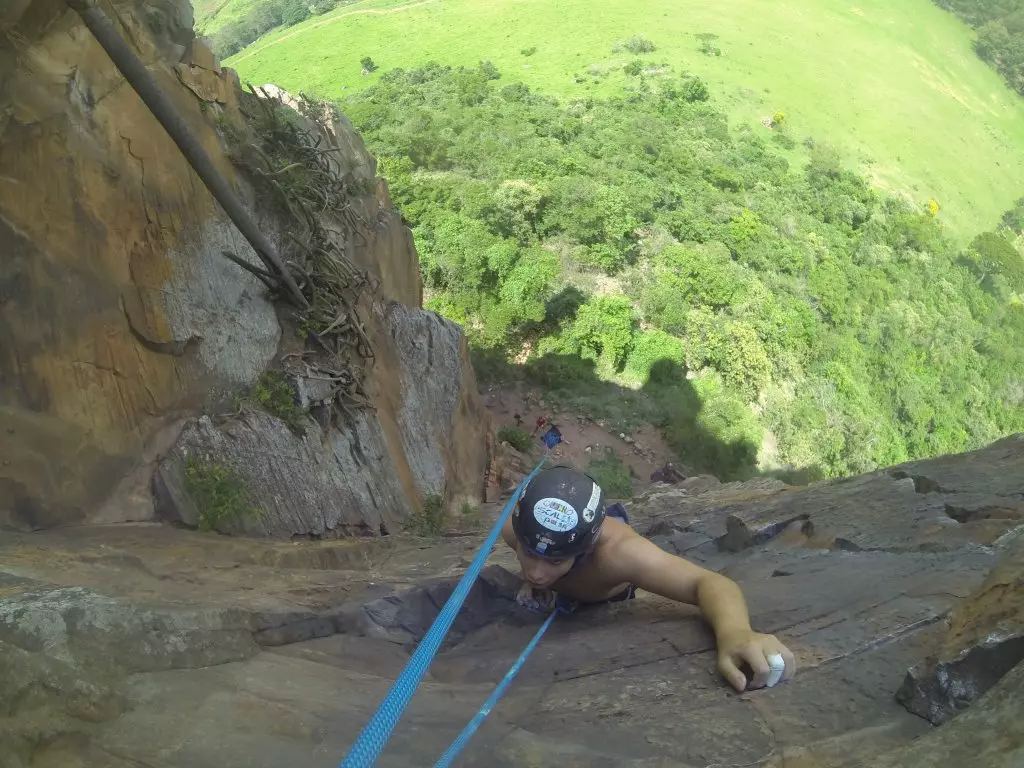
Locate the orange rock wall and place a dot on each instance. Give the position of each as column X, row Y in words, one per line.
column 118, row 315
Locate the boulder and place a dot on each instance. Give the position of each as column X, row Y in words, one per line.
column 984, row 640
column 990, row 734
column 87, row 630
column 321, row 484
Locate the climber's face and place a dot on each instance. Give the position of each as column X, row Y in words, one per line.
column 539, row 571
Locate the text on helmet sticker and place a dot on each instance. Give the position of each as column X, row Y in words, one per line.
column 555, row 515
column 591, row 508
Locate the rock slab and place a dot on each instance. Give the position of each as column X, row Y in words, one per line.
column 984, row 640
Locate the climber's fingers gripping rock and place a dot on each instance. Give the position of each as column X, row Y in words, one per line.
column 535, row 598
column 770, row 662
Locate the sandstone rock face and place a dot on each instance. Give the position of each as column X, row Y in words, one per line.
column 989, row 734
column 985, row 639
column 144, row 644
column 120, row 318
column 118, row 311
column 324, row 483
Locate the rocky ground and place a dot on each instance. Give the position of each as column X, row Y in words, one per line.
column 900, row 592
column 643, row 451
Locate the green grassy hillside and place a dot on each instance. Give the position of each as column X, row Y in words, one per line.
column 896, row 87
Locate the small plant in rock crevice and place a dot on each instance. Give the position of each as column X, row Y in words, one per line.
column 274, row 394
column 430, row 519
column 219, row 494
column 515, row 437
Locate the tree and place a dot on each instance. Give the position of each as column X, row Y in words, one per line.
column 265, row 17
column 990, row 255
column 294, row 11
column 367, row 64
column 638, row 44
column 694, row 89
column 489, row 70
column 1013, row 219
column 603, row 330
column 515, row 209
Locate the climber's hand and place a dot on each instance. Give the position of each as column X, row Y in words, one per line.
column 534, row 598
column 769, row 661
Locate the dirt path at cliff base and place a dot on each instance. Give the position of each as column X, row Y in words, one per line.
column 643, row 450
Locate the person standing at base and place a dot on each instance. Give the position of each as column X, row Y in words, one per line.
column 570, row 546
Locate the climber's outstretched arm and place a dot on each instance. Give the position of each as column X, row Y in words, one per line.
column 634, row 559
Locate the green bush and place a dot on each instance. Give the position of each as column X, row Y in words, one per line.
column 650, row 348
column 219, row 494
column 517, row 438
column 367, row 64
column 782, row 137
column 991, row 255
column 603, row 331
column 430, row 519
column 633, row 68
column 294, row 13
column 273, row 393
column 489, row 70
column 637, row 44
column 1013, row 219
column 529, row 51
column 694, row 89
column 612, row 475
column 556, row 371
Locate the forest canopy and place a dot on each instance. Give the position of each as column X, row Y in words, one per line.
column 1000, row 26
column 743, row 305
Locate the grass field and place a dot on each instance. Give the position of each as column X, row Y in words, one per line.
column 895, row 85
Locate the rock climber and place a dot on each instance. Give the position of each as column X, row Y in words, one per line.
column 572, row 549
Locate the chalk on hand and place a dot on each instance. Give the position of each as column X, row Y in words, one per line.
column 777, row 667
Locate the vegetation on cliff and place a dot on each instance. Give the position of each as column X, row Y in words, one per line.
column 638, row 240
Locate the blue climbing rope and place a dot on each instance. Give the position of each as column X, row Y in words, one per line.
column 375, row 735
column 467, row 733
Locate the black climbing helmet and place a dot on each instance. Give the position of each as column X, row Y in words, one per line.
column 559, row 513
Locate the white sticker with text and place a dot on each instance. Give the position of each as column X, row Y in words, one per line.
column 555, row 515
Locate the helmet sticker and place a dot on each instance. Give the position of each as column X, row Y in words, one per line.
column 556, row 515
column 542, row 547
column 591, row 508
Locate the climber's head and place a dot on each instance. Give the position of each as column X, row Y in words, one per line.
column 558, row 518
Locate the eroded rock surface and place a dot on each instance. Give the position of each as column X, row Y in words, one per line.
column 203, row 651
column 121, row 319
column 988, row 734
column 984, row 640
